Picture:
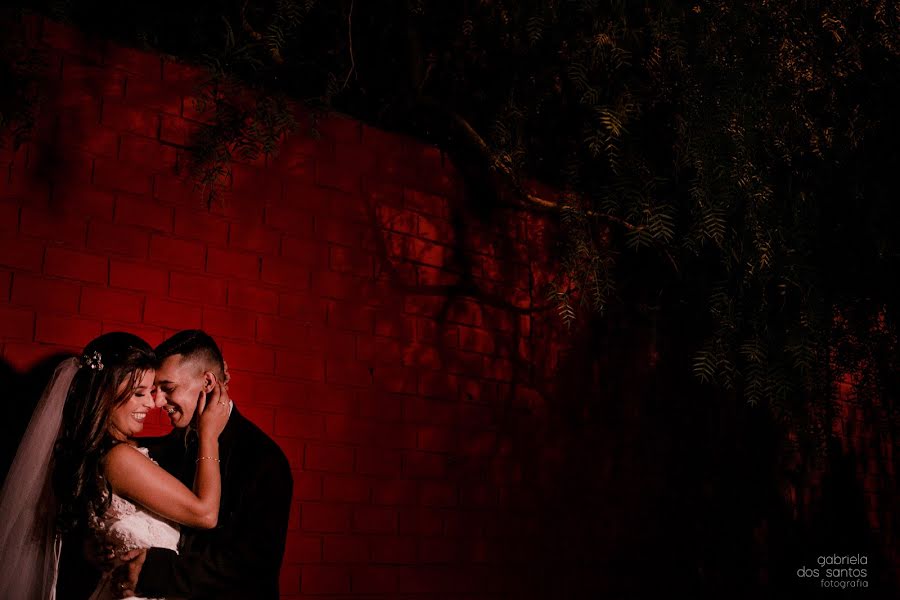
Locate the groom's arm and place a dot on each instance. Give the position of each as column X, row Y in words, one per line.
column 255, row 553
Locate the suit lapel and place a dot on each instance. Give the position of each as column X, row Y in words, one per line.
column 228, row 440
column 229, row 455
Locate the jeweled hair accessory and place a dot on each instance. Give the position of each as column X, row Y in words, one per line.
column 94, row 361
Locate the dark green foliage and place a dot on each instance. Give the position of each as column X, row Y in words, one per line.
column 243, row 124
column 734, row 160
column 19, row 91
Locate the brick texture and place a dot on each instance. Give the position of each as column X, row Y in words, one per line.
column 401, row 413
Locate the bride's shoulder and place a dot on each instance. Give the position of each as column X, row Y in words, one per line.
column 125, row 455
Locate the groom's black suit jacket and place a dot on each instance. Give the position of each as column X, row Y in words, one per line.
column 240, row 557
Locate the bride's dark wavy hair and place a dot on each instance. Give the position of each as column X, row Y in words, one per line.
column 84, row 439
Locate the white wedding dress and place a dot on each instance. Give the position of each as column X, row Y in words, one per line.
column 126, row 526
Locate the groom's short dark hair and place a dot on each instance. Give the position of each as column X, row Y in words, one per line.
column 194, row 344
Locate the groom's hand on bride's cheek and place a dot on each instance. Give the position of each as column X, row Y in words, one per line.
column 125, row 576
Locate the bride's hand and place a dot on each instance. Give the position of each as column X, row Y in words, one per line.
column 98, row 554
column 213, row 409
column 125, row 576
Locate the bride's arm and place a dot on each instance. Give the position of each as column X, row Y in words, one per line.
column 135, row 477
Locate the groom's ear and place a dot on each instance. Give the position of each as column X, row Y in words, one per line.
column 209, row 381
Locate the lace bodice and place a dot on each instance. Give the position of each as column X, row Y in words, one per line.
column 127, row 526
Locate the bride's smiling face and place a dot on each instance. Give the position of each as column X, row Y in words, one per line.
column 127, row 419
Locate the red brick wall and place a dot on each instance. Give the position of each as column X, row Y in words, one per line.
column 384, row 399
column 413, row 420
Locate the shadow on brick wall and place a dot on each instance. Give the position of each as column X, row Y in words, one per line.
column 22, row 392
column 662, row 487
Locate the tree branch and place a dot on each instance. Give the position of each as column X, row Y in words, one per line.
column 350, row 37
column 274, row 52
column 464, row 288
column 498, row 165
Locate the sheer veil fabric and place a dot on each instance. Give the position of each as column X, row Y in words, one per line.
column 29, row 546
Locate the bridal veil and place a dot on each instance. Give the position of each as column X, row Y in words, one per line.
column 29, row 545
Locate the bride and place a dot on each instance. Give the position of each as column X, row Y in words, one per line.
column 79, row 468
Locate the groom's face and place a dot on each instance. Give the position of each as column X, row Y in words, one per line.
column 180, row 384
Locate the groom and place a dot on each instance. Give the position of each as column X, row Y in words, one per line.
column 240, row 557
